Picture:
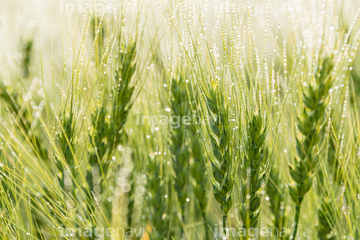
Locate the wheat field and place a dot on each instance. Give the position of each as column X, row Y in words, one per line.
column 179, row 119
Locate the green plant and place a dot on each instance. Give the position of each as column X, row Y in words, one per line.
column 253, row 171
column 198, row 172
column 156, row 199
column 67, row 144
column 106, row 135
column 20, row 112
column 276, row 191
column 178, row 143
column 151, row 160
column 327, row 210
column 73, row 154
column 310, row 121
column 27, row 47
column 220, row 156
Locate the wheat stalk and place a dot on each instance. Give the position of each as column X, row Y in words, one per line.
column 315, row 98
column 333, row 170
column 156, row 200
column 152, row 158
column 27, row 47
column 276, row 190
column 220, row 159
column 23, row 120
column 106, row 135
column 198, row 172
column 253, row 171
column 178, row 145
column 67, row 144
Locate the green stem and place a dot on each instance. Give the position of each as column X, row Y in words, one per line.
column 297, row 217
column 182, row 231
column 206, row 231
column 224, row 227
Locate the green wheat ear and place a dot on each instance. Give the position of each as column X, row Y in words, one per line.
column 178, row 146
column 275, row 189
column 155, row 197
column 253, row 171
column 27, row 47
column 198, row 171
column 220, row 157
column 310, row 122
column 98, row 34
column 325, row 212
column 154, row 168
column 328, row 210
column 105, row 135
column 24, row 121
column 66, row 142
